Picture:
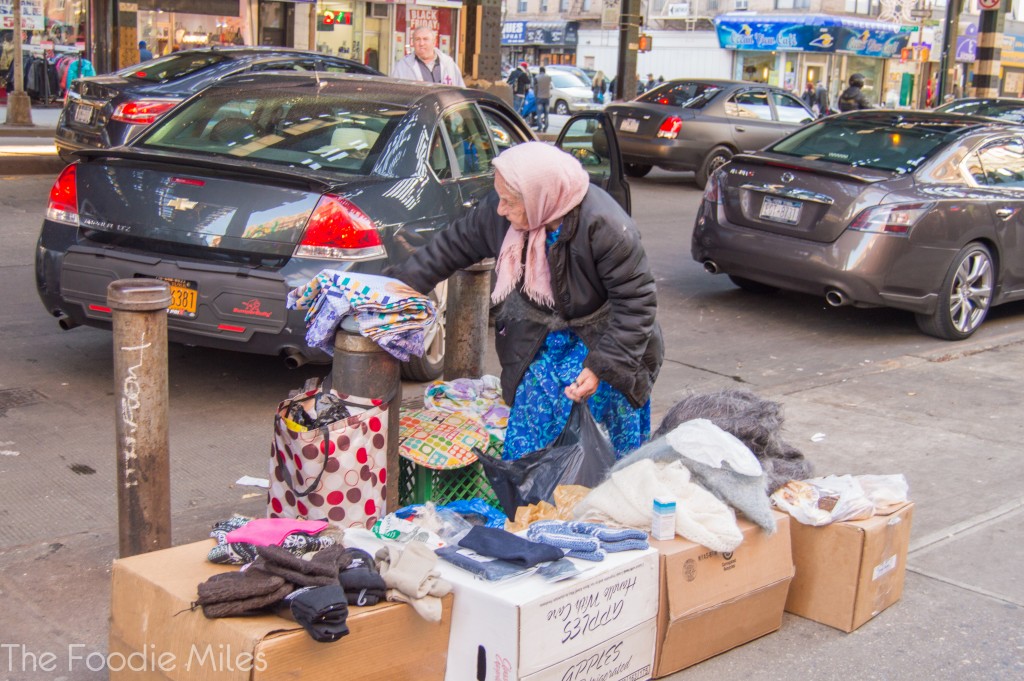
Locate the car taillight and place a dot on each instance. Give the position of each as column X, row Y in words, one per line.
column 142, row 111
column 893, row 219
column 338, row 230
column 63, row 205
column 670, row 127
column 712, row 190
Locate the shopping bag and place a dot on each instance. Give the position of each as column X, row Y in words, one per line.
column 335, row 471
column 581, row 455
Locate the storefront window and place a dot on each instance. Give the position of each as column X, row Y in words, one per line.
column 756, row 67
column 52, row 25
column 165, row 32
column 334, row 29
column 871, row 69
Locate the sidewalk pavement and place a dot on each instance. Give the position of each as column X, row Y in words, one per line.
column 29, row 150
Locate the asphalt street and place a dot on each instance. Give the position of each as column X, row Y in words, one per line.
column 863, row 392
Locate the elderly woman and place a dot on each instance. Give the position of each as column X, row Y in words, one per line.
column 578, row 315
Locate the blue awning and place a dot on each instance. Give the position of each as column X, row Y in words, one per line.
column 810, row 33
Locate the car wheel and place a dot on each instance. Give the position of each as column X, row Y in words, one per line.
column 430, row 366
column 636, row 169
column 561, row 108
column 965, row 297
column 752, row 286
column 715, row 159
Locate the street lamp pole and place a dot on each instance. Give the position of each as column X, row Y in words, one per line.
column 949, row 36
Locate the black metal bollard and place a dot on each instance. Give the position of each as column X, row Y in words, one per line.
column 140, row 385
column 363, row 369
column 469, row 300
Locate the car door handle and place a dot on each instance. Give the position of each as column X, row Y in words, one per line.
column 1005, row 213
column 740, row 128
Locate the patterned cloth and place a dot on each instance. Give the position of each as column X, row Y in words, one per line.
column 478, row 396
column 439, row 439
column 240, row 553
column 388, row 312
column 541, row 409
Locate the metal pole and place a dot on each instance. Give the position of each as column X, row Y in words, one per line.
column 950, row 31
column 629, row 34
column 140, row 384
column 362, row 369
column 989, row 59
column 466, row 321
column 19, row 105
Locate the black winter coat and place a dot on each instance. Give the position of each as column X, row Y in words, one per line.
column 602, row 284
column 853, row 98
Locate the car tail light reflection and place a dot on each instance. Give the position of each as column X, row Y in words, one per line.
column 713, row 190
column 63, row 204
column 142, row 111
column 893, row 219
column 338, row 230
column 670, row 127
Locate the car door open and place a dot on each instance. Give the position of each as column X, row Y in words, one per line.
column 591, row 139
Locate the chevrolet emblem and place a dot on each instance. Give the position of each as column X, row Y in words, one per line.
column 181, row 203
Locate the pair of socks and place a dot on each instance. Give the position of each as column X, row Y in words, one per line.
column 320, row 570
column 587, row 541
column 497, row 543
column 321, row 610
column 411, row 577
column 359, row 578
column 239, row 593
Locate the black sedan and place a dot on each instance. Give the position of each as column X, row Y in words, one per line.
column 106, row 111
column 1003, row 108
column 698, row 125
column 918, row 211
column 257, row 183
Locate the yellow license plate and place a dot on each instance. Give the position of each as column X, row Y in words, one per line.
column 184, row 296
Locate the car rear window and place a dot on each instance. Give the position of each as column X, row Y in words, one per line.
column 325, row 132
column 564, row 79
column 686, row 95
column 172, row 67
column 885, row 144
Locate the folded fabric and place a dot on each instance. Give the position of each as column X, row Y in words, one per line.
column 388, row 312
column 489, row 541
column 411, row 578
column 320, row 570
column 272, row 531
column 575, row 546
column 627, row 498
column 478, row 396
column 243, row 553
column 235, row 594
column 485, row 567
column 359, row 578
column 589, row 541
column 322, row 611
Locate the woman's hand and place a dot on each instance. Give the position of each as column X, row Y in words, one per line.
column 583, row 387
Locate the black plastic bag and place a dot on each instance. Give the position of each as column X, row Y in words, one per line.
column 581, row 455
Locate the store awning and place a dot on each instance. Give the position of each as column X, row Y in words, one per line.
column 556, row 33
column 811, row 33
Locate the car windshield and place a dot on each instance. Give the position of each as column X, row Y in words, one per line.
column 564, row 79
column 321, row 132
column 1007, row 111
column 892, row 144
column 172, row 67
column 682, row 94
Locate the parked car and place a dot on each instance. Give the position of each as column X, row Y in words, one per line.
column 106, row 111
column 919, row 211
column 569, row 93
column 1003, row 108
column 581, row 73
column 254, row 185
column 698, row 125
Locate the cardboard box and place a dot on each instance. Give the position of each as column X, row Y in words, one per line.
column 712, row 602
column 530, row 629
column 154, row 635
column 846, row 573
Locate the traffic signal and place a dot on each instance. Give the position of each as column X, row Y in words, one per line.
column 645, row 43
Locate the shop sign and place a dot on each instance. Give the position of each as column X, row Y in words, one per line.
column 816, row 33
column 513, row 33
column 31, row 15
column 872, row 43
column 560, row 33
column 967, row 44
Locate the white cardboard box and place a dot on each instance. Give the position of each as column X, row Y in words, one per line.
column 626, row 657
column 527, row 626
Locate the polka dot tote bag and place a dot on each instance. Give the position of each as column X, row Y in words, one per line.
column 336, row 472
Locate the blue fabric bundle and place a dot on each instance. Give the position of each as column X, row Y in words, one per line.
column 587, row 541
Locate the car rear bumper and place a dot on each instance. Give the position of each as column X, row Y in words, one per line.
column 867, row 269
column 677, row 154
column 237, row 308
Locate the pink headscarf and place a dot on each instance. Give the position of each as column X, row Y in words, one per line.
column 551, row 183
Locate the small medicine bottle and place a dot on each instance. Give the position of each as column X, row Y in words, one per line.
column 663, row 520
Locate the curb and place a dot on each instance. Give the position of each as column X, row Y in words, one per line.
column 26, row 131
column 28, row 164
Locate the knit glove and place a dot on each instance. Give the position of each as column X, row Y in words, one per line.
column 233, row 594
column 320, row 570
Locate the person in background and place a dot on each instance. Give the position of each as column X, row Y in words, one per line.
column 144, row 52
column 639, row 85
column 611, row 89
column 651, row 83
column 519, row 79
column 427, row 63
column 808, row 95
column 929, row 93
column 599, row 86
column 821, row 99
column 853, row 97
column 661, row 79
column 578, row 298
column 542, row 90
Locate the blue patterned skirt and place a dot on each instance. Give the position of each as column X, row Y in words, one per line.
column 541, row 408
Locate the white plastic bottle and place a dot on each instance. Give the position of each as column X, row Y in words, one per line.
column 663, row 518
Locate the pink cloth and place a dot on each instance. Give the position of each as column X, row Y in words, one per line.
column 272, row 531
column 551, row 183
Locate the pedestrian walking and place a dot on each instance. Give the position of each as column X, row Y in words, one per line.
column 520, row 81
column 577, row 320
column 427, row 63
column 599, row 86
column 144, row 52
column 542, row 90
column 821, row 98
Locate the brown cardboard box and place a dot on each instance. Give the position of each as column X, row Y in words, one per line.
column 846, row 573
column 154, row 635
column 712, row 602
